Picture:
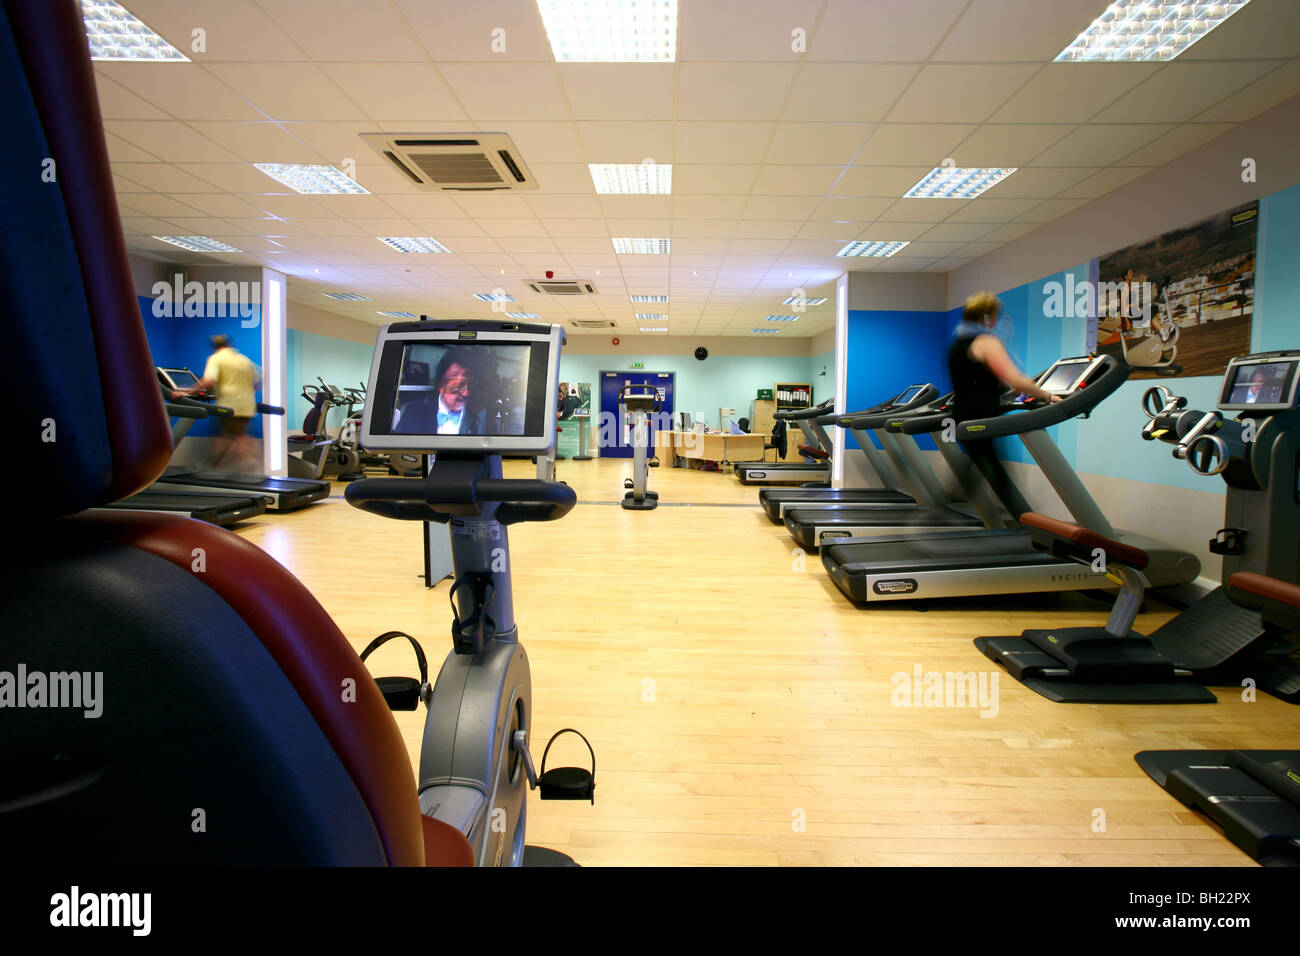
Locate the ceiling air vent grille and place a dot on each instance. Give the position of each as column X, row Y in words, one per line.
column 591, row 323
column 562, row 287
column 471, row 162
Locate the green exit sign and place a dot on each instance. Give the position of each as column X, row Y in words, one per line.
column 637, row 365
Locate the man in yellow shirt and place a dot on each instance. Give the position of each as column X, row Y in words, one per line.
column 234, row 379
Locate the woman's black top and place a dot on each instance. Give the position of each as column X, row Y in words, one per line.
column 977, row 391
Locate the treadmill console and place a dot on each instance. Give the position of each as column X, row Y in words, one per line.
column 1067, row 375
column 470, row 386
column 1264, row 382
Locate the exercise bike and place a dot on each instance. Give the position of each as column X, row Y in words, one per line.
column 475, row 764
column 639, row 407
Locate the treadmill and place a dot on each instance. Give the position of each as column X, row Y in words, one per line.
column 1004, row 561
column 775, row 500
column 812, row 525
column 221, row 510
column 780, row 472
column 285, row 494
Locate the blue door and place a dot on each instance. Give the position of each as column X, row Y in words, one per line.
column 611, row 383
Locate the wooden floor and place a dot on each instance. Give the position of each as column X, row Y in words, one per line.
column 740, row 707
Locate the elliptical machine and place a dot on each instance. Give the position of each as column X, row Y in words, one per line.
column 475, row 763
column 639, row 407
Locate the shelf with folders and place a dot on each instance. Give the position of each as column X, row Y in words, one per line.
column 792, row 395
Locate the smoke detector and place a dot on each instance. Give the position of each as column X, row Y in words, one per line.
column 463, row 162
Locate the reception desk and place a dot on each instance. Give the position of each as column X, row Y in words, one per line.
column 715, row 447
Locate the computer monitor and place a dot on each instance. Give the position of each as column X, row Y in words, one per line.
column 685, row 421
column 472, row 386
column 1266, row 383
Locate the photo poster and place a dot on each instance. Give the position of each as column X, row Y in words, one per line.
column 1180, row 304
column 573, row 398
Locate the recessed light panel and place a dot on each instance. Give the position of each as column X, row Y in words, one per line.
column 632, row 179
column 611, row 31
column 197, row 243
column 875, row 250
column 413, row 243
column 951, row 182
column 347, row 296
column 494, row 297
column 648, row 298
column 1130, row 31
column 795, row 300
column 523, row 315
column 312, row 180
column 114, row 33
column 782, row 318
column 399, row 315
column 642, row 247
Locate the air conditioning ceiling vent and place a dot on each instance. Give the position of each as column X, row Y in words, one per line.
column 465, row 162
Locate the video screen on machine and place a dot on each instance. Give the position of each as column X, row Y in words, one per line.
column 181, row 377
column 1062, row 376
column 1261, row 383
column 910, row 394
column 455, row 389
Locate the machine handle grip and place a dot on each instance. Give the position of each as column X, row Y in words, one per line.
column 412, row 499
column 177, row 410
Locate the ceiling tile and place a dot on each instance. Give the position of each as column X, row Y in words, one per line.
column 851, row 30
column 986, row 209
column 729, row 30
column 1100, row 145
column 507, row 91
column 1181, row 90
column 856, row 92
column 1100, row 183
column 922, row 210
column 708, row 207
column 170, row 141
column 902, row 144
column 796, row 180
column 615, row 91
column 780, row 207
column 881, row 181
column 1050, row 209
column 1175, row 143
column 465, row 31
column 1264, row 28
column 1037, row 183
column 1005, row 144
column 264, row 142
column 956, row 232
column 720, row 180
column 163, row 178
column 1010, row 30
column 1072, row 92
column 1265, row 93
column 345, row 30
column 287, row 91
column 818, row 143
column 626, row 142
column 637, row 207
column 722, row 142
column 948, row 93
column 853, row 208
column 232, row 30
column 732, row 91
column 410, row 93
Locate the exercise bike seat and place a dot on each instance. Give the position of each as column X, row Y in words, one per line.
column 220, row 672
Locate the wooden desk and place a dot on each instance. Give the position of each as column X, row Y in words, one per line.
column 719, row 447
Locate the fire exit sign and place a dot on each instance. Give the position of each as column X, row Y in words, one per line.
column 637, row 365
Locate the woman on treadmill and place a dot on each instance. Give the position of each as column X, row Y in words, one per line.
column 981, row 371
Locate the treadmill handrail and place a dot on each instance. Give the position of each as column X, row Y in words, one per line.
column 884, row 419
column 927, row 394
column 806, row 414
column 1018, row 419
column 177, row 410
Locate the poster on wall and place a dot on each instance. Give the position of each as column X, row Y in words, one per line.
column 1180, row 304
column 573, row 408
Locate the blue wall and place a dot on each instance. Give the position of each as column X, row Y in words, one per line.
column 888, row 351
column 183, row 342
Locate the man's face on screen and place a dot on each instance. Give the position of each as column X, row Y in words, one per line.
column 455, row 387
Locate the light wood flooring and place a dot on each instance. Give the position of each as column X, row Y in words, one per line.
column 740, row 706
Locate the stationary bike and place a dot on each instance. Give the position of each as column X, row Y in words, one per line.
column 639, row 407
column 475, row 763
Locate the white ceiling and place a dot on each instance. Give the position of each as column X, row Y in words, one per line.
column 779, row 157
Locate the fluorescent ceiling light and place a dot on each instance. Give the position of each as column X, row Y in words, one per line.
column 763, row 331
column 648, row 298
column 312, row 180
column 651, row 315
column 632, row 179
column 399, row 315
column 347, row 296
column 197, row 243
column 660, row 328
column 951, row 182
column 494, row 297
column 612, row 31
column 114, row 33
column 783, row 318
column 523, row 315
column 795, row 300
column 413, row 243
column 1136, row 30
column 878, row 250
column 642, row 247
